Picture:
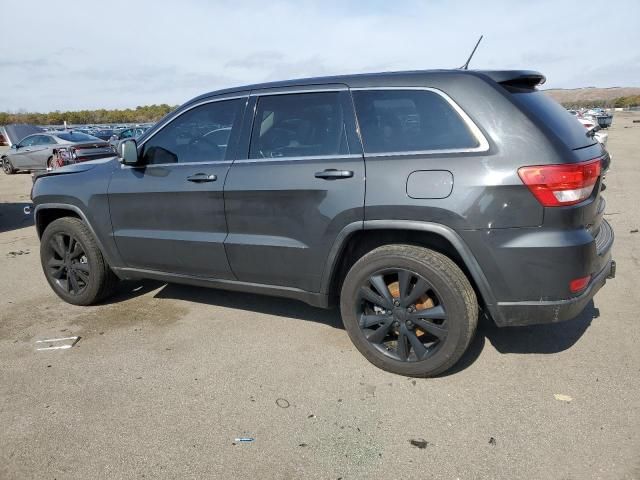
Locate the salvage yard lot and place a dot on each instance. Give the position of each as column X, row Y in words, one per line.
column 165, row 378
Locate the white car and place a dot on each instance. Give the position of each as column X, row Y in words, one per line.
column 591, row 124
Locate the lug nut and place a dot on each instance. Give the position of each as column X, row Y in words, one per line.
column 396, row 303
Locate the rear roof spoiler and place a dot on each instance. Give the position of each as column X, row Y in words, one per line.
column 515, row 78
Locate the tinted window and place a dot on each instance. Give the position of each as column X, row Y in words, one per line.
column 551, row 114
column 185, row 139
column 296, row 125
column 76, row 137
column 409, row 120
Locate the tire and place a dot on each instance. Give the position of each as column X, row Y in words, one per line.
column 73, row 264
column 50, row 163
column 7, row 167
column 402, row 330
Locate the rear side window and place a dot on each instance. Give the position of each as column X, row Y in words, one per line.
column 547, row 112
column 409, row 121
column 190, row 137
column 299, row 125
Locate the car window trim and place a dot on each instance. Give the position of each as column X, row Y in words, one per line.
column 178, row 115
column 295, row 91
column 483, row 144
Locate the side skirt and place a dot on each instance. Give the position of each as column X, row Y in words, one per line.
column 314, row 299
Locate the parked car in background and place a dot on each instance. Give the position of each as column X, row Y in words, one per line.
column 467, row 208
column 134, row 132
column 103, row 134
column 594, row 129
column 3, row 141
column 39, row 151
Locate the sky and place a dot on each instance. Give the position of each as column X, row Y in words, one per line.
column 70, row 55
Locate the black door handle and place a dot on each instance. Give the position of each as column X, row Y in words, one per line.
column 202, row 178
column 333, row 174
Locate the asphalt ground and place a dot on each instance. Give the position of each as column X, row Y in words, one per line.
column 165, row 378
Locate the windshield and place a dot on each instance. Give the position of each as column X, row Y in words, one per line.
column 76, row 137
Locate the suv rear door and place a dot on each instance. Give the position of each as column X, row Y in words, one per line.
column 168, row 213
column 301, row 182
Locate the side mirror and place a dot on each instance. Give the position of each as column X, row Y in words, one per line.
column 128, row 152
column 14, row 146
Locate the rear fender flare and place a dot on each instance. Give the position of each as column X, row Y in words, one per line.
column 442, row 230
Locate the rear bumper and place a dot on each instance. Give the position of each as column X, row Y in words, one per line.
column 533, row 313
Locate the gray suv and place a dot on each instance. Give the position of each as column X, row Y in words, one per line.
column 415, row 200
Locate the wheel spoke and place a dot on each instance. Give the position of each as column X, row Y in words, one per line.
column 435, row 330
column 76, row 249
column 379, row 284
column 368, row 321
column 73, row 279
column 433, row 313
column 404, row 279
column 419, row 289
column 64, row 283
column 401, row 347
column 84, row 276
column 57, row 243
column 84, row 267
column 378, row 335
column 55, row 262
column 417, row 345
column 374, row 298
column 57, row 273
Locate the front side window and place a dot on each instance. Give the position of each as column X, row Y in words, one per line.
column 299, row 125
column 29, row 141
column 188, row 138
column 409, row 121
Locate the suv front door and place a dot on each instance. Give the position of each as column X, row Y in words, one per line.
column 301, row 182
column 168, row 213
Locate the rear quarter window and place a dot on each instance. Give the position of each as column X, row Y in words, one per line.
column 410, row 121
column 549, row 113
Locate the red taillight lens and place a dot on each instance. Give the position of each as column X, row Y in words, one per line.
column 579, row 284
column 560, row 185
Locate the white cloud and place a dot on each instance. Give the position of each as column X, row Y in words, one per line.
column 120, row 53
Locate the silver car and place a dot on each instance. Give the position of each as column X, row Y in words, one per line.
column 40, row 151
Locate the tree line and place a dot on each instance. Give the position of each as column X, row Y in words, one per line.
column 620, row 102
column 141, row 114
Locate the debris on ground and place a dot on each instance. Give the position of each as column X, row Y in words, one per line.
column 283, row 403
column 492, row 441
column 303, row 445
column 421, row 443
column 562, row 398
column 243, row 440
column 635, row 230
column 17, row 253
column 56, row 343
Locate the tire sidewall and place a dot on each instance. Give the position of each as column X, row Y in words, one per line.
column 455, row 308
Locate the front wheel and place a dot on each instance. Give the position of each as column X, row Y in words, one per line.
column 409, row 310
column 73, row 264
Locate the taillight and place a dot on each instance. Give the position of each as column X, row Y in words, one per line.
column 560, row 185
column 579, row 284
column 588, row 125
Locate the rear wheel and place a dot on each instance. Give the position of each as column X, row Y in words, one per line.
column 7, row 167
column 409, row 310
column 51, row 163
column 73, row 264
